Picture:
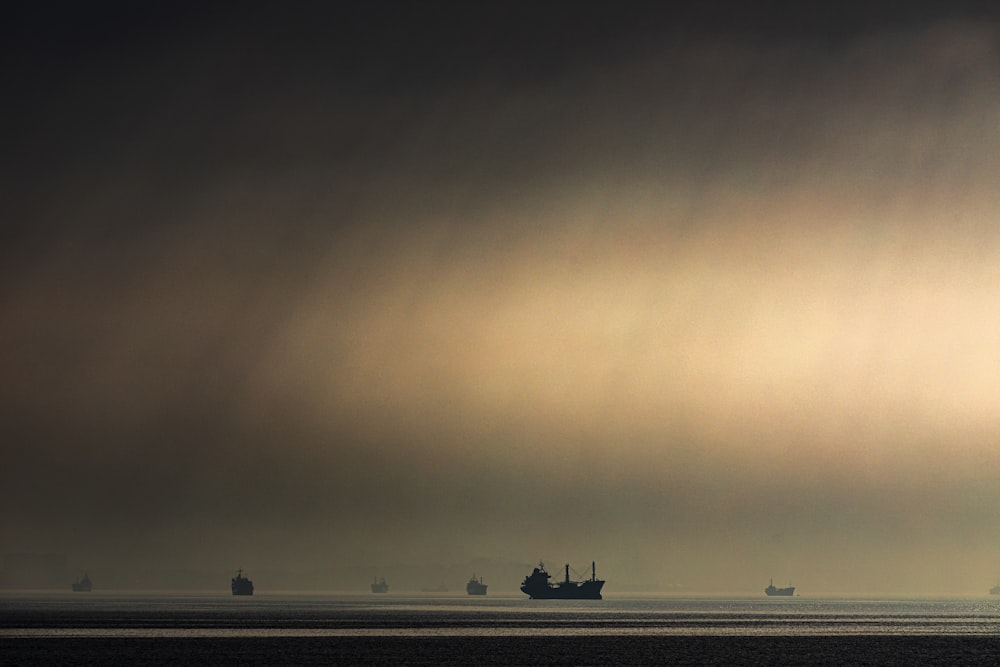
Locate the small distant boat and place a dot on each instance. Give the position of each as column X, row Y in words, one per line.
column 995, row 590
column 379, row 586
column 772, row 590
column 83, row 585
column 475, row 586
column 241, row 584
column 537, row 586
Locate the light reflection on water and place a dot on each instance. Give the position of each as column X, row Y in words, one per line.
column 193, row 616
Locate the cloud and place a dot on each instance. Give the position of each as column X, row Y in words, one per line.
column 705, row 293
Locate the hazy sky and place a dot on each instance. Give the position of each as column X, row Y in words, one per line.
column 705, row 295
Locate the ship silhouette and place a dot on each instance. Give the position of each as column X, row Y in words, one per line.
column 538, row 587
column 475, row 586
column 772, row 590
column 83, row 585
column 380, row 586
column 241, row 584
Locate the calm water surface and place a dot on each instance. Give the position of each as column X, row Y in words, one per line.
column 150, row 615
column 354, row 629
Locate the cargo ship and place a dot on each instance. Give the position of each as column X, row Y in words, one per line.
column 538, row 587
column 475, row 586
column 772, row 590
column 241, row 584
column 83, row 585
column 380, row 586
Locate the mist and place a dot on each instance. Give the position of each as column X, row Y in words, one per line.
column 702, row 297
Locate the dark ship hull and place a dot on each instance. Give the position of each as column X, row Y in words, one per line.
column 782, row 592
column 380, row 586
column 242, row 585
column 538, row 587
column 83, row 585
column 475, row 586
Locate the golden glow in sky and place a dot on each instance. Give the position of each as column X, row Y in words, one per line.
column 706, row 306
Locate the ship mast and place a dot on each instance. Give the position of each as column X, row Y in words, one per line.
column 567, row 573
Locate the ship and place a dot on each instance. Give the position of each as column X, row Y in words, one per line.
column 475, row 586
column 241, row 584
column 83, row 585
column 538, row 587
column 995, row 590
column 772, row 590
column 380, row 586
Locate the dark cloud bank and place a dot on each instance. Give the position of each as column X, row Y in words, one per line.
column 702, row 294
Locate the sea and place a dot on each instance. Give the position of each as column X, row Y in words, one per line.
column 170, row 628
